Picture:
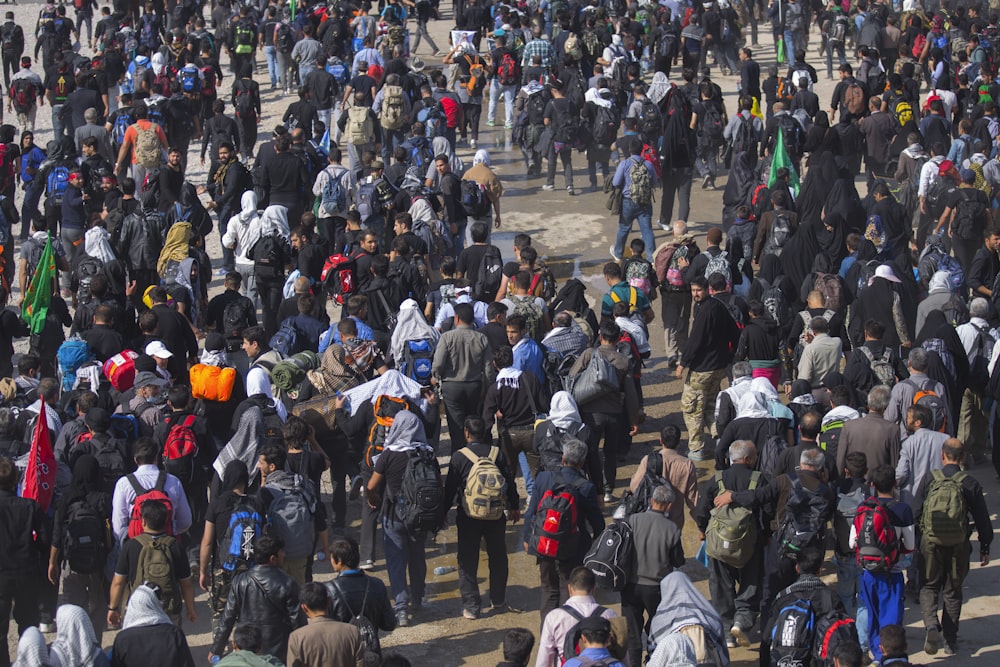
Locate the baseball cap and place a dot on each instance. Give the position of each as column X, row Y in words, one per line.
column 146, row 379
column 158, row 349
column 885, row 271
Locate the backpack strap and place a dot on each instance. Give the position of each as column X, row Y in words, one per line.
column 572, row 612
column 719, row 482
column 134, row 481
column 161, row 481
column 494, row 454
column 754, row 480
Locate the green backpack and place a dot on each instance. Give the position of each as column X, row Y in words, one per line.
column 155, row 566
column 731, row 536
column 944, row 520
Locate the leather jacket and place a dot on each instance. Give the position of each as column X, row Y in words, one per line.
column 266, row 597
column 140, row 238
column 347, row 598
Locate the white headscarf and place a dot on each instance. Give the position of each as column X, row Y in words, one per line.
column 275, row 220
column 158, row 63
column 248, row 206
column 596, row 96
column 258, row 382
column 658, row 87
column 31, row 650
column 509, row 377
column 764, row 387
column 940, row 282
column 96, row 243
column 215, row 357
column 482, row 157
column 76, row 643
column 391, row 383
column 411, row 325
column 752, row 406
column 144, row 609
column 563, row 412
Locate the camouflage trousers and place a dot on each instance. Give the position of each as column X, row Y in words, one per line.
column 698, row 404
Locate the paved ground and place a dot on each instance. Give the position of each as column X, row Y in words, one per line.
column 574, row 233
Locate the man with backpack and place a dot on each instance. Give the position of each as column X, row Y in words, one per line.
column 109, row 451
column 738, row 565
column 905, row 392
column 951, row 496
column 335, row 186
column 292, row 512
column 708, row 118
column 966, row 217
column 556, row 522
column 805, row 505
column 635, row 177
column 482, row 480
column 882, row 532
column 676, row 469
column 873, row 362
column 561, row 117
column 147, row 480
column 25, row 94
column 246, row 104
column 977, row 338
column 353, row 594
column 153, row 557
column 264, row 596
column 873, row 434
column 144, row 142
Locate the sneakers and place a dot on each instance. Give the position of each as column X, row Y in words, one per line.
column 951, row 648
column 739, row 636
column 472, row 144
column 570, row 191
column 402, row 618
column 672, row 361
column 367, row 565
column 730, row 642
column 705, row 181
column 665, row 226
column 491, row 123
column 470, row 615
column 933, row 641
column 615, row 256
column 548, row 188
column 609, row 497
column 700, row 455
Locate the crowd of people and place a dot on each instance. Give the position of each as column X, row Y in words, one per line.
column 157, row 439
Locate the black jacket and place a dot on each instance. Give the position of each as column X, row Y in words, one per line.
column 24, row 532
column 736, row 478
column 227, row 187
column 713, row 336
column 590, row 520
column 140, row 239
column 759, row 340
column 348, row 598
column 217, row 129
column 265, row 597
column 161, row 645
column 461, row 466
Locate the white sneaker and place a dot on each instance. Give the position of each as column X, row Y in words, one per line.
column 46, row 628
column 740, row 636
column 548, row 188
column 615, row 256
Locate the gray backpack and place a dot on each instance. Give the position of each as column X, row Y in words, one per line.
column 291, row 514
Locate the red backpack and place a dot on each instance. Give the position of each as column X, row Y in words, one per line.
column 141, row 496
column 338, row 276
column 452, row 112
column 649, row 154
column 180, row 450
column 878, row 544
column 208, row 84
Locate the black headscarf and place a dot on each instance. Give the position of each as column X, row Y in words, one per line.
column 842, row 197
column 809, row 204
column 820, row 139
column 937, row 326
column 797, row 256
column 235, row 474
column 833, row 241
column 86, row 479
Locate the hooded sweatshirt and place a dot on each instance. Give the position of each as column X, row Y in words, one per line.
column 939, row 295
column 243, row 230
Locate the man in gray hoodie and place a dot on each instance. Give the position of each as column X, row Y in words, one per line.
column 941, row 297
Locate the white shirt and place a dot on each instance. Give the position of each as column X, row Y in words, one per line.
column 346, row 182
column 928, row 173
column 948, row 99
column 124, row 497
column 969, row 333
column 241, row 237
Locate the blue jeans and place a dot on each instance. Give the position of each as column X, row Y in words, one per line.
column 841, row 57
column 847, row 589
column 632, row 212
column 508, row 93
column 304, row 71
column 882, row 596
column 403, row 552
column 271, row 53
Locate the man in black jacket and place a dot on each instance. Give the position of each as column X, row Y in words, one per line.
column 354, row 593
column 737, row 609
column 471, row 529
column 226, row 185
column 264, row 596
column 25, row 536
column 704, row 362
column 286, row 179
column 554, row 574
column 217, row 129
column 175, row 331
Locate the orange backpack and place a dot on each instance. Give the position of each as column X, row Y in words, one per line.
column 385, row 408
column 212, row 383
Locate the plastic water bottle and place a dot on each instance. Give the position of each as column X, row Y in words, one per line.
column 320, row 555
column 443, row 569
column 215, row 659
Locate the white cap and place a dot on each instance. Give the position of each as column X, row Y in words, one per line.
column 885, row 271
column 158, row 349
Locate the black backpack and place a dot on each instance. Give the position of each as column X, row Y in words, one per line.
column 490, row 274
column 420, row 505
column 791, row 131
column 612, row 556
column 650, row 122
column 367, row 629
column 805, row 515
column 235, row 319
column 268, row 257
column 550, row 450
column 85, row 540
column 794, row 632
column 640, row 500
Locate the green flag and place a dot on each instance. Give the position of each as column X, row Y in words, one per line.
column 293, row 3
column 780, row 159
column 35, row 307
column 781, row 51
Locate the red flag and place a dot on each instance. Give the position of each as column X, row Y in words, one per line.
column 40, row 477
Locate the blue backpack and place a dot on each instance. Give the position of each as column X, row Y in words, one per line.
column 338, row 70
column 57, row 183
column 418, row 357
column 794, row 633
column 245, row 525
column 434, row 121
column 190, row 79
column 73, row 354
column 118, row 130
column 334, row 196
column 286, row 339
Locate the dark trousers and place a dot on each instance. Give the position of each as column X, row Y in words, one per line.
column 964, row 251
column 248, row 136
column 925, row 225
column 470, row 124
column 639, row 603
column 779, row 574
column 610, row 427
column 21, row 593
column 554, row 576
column 270, row 300
column 369, row 529
column 735, row 607
column 404, row 555
column 10, row 66
column 566, row 156
column 471, row 532
column 676, row 183
column 945, row 569
column 461, row 400
column 228, row 255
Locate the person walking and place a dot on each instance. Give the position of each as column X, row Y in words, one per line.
column 459, row 368
column 635, row 176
